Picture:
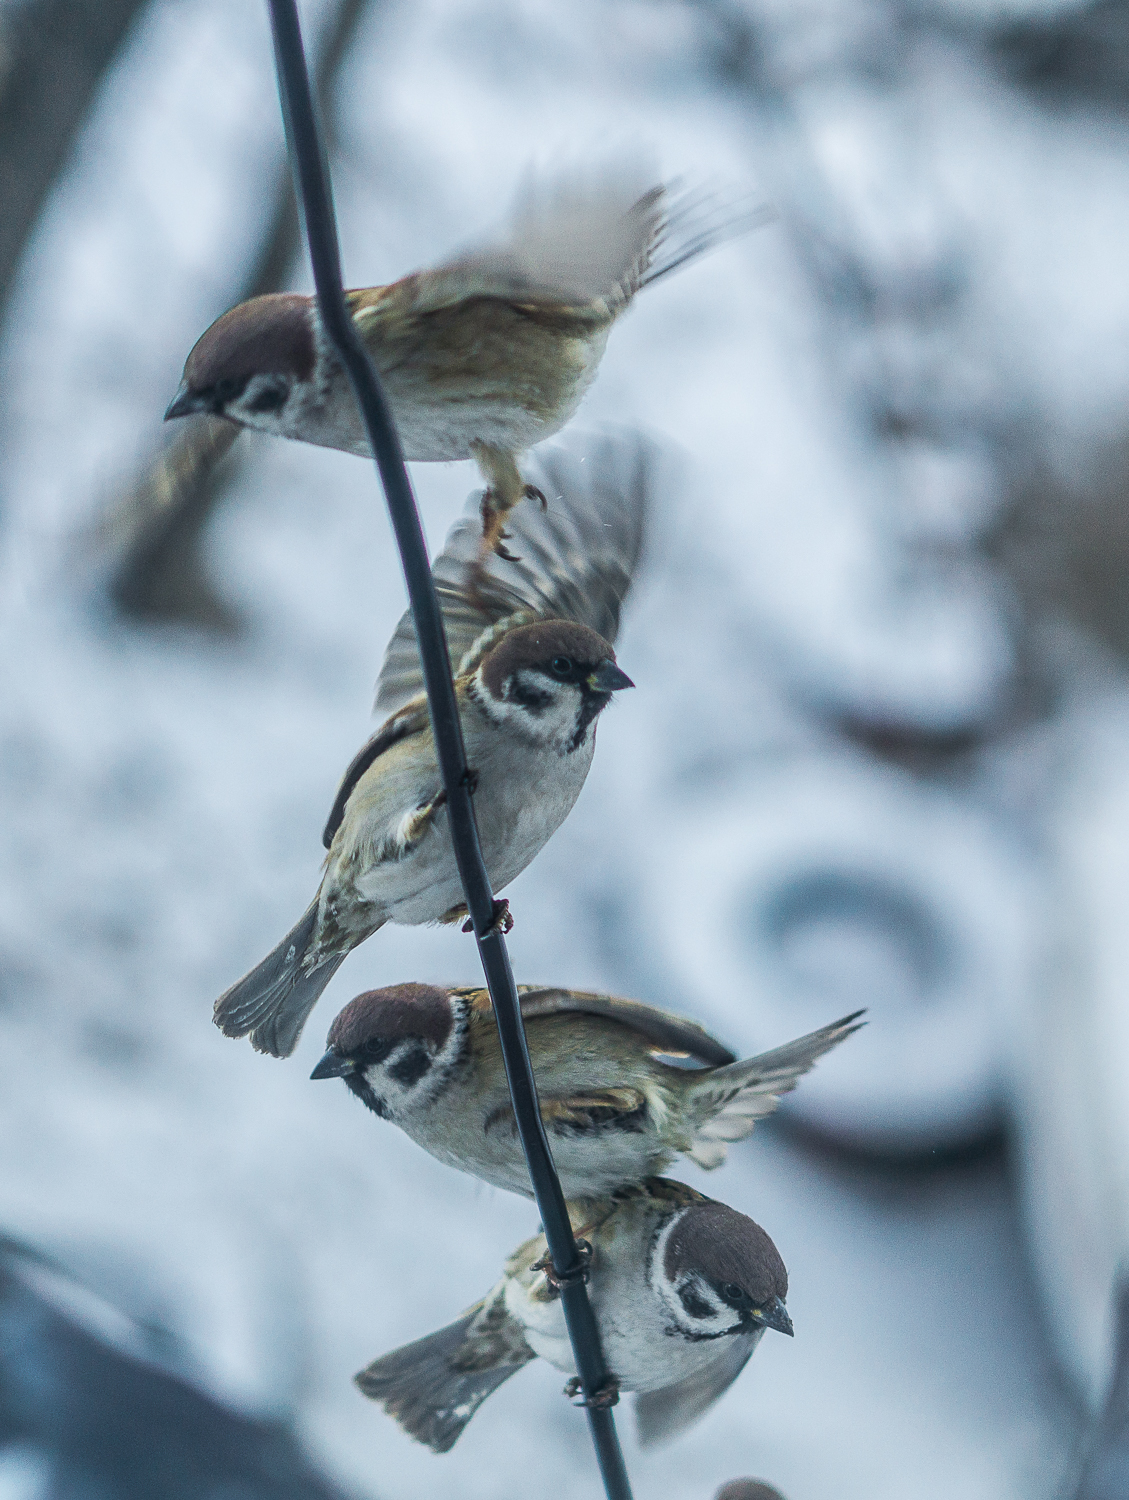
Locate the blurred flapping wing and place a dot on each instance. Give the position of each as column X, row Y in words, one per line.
column 575, row 559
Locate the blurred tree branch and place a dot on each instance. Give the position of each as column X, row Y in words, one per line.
column 151, row 534
column 52, row 57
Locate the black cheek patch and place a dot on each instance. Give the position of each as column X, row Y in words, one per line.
column 411, row 1067
column 695, row 1305
column 270, row 398
column 357, row 1084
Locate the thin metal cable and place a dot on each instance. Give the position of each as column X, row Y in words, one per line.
column 312, row 183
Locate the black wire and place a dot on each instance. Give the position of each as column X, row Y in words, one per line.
column 312, row 181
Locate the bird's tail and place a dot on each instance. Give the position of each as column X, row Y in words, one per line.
column 726, row 1102
column 274, row 999
column 434, row 1386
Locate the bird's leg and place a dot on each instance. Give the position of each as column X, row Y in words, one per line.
column 504, row 488
column 607, row 1395
column 411, row 828
column 557, row 1281
column 503, row 920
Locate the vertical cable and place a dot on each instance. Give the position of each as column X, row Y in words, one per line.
column 312, row 184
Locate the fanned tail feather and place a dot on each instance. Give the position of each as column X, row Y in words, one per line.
column 272, row 1002
column 434, row 1386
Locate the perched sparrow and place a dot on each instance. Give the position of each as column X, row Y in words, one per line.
column 532, row 677
column 428, row 1059
column 682, row 1288
column 481, row 357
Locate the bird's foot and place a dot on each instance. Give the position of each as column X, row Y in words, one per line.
column 531, row 492
column 578, row 1276
column 494, row 535
column 502, row 921
column 601, row 1399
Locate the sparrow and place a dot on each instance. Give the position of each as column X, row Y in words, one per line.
column 533, row 675
column 615, row 1108
column 483, row 355
column 682, row 1287
column 748, row 1489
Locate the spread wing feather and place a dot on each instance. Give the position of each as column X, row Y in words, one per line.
column 724, row 1104
column 571, row 241
column 582, row 244
column 668, row 1033
column 665, row 1413
column 576, row 559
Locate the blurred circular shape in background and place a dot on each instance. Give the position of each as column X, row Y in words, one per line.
column 825, row 886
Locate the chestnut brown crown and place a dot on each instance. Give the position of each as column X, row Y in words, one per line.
column 725, row 1246
column 561, row 649
column 270, row 335
column 393, row 1014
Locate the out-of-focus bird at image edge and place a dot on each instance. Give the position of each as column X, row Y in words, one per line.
column 617, row 1106
column 531, row 643
column 482, row 356
column 748, row 1489
column 683, row 1289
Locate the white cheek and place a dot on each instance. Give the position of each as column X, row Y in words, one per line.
column 554, row 720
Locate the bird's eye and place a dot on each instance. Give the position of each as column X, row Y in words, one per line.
column 561, row 666
column 732, row 1292
column 376, row 1046
column 270, row 398
column 227, row 388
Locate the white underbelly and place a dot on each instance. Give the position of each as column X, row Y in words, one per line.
column 523, row 797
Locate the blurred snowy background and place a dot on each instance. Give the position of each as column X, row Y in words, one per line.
column 877, row 755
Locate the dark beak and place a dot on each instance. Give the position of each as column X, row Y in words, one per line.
column 185, row 403
column 607, row 678
column 774, row 1315
column 333, row 1065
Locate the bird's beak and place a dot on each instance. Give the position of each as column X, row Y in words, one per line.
column 607, row 678
column 333, row 1065
column 185, row 403
column 774, row 1315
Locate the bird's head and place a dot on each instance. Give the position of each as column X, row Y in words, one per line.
column 255, row 365
column 549, row 682
column 394, row 1047
column 719, row 1273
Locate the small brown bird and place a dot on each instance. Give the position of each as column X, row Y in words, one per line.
column 532, row 676
column 682, row 1287
column 748, row 1489
column 480, row 357
column 429, row 1060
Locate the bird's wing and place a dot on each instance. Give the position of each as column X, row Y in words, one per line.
column 697, row 221
column 579, row 241
column 724, row 1104
column 576, row 559
column 583, row 243
column 665, row 1413
column 434, row 1386
column 411, row 719
column 578, row 1114
column 668, row 1033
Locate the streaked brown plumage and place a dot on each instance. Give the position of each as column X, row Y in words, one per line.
column 532, row 675
column 616, row 1107
column 683, row 1289
column 483, row 356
